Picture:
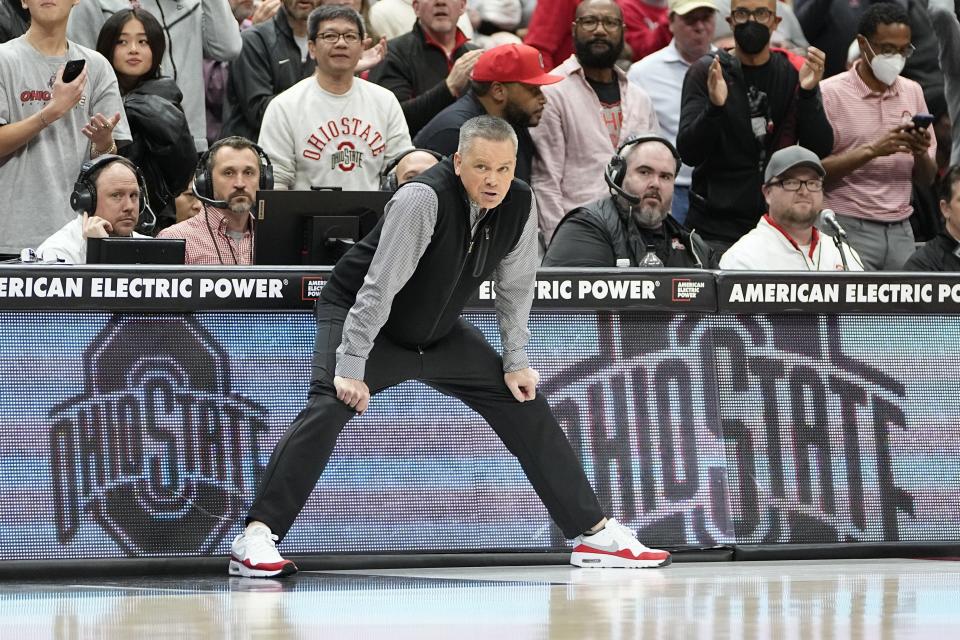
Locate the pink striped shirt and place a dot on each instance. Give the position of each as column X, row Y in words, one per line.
column 209, row 243
column 879, row 190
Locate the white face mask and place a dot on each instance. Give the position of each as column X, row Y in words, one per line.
column 887, row 67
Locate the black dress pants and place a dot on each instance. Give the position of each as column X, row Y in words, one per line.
column 462, row 365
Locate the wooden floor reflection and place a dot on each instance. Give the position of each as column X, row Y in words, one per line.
column 869, row 599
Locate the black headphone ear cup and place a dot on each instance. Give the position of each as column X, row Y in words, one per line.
column 266, row 175
column 83, row 199
column 616, row 169
column 392, row 181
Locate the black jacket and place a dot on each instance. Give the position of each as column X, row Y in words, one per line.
column 451, row 269
column 415, row 71
column 939, row 254
column 725, row 197
column 162, row 145
column 14, row 20
column 269, row 64
column 442, row 133
column 595, row 235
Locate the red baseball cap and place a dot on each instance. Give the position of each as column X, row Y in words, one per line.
column 512, row 63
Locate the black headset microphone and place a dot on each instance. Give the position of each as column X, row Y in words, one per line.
column 617, row 167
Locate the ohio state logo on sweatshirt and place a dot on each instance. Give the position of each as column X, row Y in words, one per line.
column 347, row 156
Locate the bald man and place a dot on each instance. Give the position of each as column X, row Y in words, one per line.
column 413, row 164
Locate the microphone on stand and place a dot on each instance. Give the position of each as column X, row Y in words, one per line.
column 828, row 216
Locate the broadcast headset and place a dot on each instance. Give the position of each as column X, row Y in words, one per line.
column 203, row 178
column 84, row 196
column 388, row 176
column 617, row 167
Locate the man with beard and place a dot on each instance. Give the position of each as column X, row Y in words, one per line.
column 736, row 111
column 113, row 210
column 506, row 82
column 620, row 229
column 223, row 235
column 786, row 239
column 661, row 75
column 587, row 117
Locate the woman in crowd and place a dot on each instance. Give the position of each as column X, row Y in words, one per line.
column 132, row 40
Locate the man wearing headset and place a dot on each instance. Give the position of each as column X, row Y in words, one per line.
column 407, row 166
column 107, row 199
column 620, row 229
column 227, row 181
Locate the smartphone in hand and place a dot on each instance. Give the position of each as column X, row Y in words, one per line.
column 72, row 69
column 922, row 120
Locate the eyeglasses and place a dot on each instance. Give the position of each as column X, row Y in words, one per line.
column 890, row 50
column 761, row 15
column 332, row 37
column 590, row 23
column 793, row 184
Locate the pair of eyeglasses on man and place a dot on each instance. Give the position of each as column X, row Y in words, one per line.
column 761, row 15
column 891, row 50
column 793, row 184
column 332, row 37
column 590, row 23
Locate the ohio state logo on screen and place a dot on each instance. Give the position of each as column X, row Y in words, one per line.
column 794, row 448
column 156, row 449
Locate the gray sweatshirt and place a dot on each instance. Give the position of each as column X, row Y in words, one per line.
column 195, row 29
column 947, row 28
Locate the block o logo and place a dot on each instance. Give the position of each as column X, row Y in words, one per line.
column 156, row 449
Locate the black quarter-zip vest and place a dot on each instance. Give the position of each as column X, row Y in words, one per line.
column 452, row 267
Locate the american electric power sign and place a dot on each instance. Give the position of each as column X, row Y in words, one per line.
column 128, row 435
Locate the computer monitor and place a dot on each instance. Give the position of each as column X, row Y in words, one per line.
column 135, row 251
column 313, row 227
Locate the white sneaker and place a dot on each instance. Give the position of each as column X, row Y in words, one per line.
column 255, row 555
column 615, row 546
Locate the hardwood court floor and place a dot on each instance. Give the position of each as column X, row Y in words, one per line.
column 869, row 599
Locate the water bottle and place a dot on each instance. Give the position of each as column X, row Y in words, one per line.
column 651, row 259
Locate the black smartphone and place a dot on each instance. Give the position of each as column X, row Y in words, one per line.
column 922, row 120
column 72, row 69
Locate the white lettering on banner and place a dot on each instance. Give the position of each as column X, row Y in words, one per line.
column 887, row 292
column 241, row 287
column 41, row 287
column 141, row 288
column 783, row 292
column 948, row 292
column 585, row 289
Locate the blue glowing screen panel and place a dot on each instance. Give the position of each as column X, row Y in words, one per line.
column 124, row 435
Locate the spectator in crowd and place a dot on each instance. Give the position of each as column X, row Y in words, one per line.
column 786, row 35
column 216, row 72
column 786, row 239
column 187, row 204
column 735, row 111
column 549, row 30
column 942, row 253
column 406, row 167
column 428, row 67
column 194, row 28
column 646, row 26
column 661, row 76
column 274, row 57
column 163, row 149
column 506, row 83
column 363, row 8
column 634, row 219
column 227, row 181
column 494, row 16
column 49, row 127
column 108, row 199
column 14, row 20
column 393, row 18
column 830, row 25
column 877, row 151
column 587, row 116
column 943, row 16
column 332, row 129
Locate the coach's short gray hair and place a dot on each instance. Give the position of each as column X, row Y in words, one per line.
column 488, row 128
